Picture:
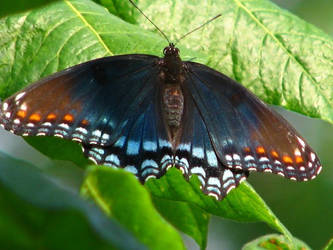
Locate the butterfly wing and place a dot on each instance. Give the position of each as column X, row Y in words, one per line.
column 90, row 103
column 195, row 155
column 143, row 147
column 245, row 133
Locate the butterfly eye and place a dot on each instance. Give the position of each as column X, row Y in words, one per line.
column 165, row 50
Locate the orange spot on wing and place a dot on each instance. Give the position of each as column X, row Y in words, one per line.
column 299, row 159
column 34, row 117
column 247, row 149
column 51, row 116
column 287, row 159
column 274, row 154
column 21, row 113
column 260, row 150
column 68, row 118
column 84, row 122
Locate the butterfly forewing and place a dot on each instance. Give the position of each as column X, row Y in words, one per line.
column 246, row 134
column 89, row 103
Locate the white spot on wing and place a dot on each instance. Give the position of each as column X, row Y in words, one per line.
column 97, row 133
column 24, row 106
column 313, row 156
column 19, row 96
column 263, row 159
column 301, row 142
column 228, row 157
column 198, row 152
column 236, row 157
column 227, row 174
column 185, row 147
column 164, row 143
column 211, row 158
column 133, row 147
column 150, row 146
column 105, row 136
column 249, row 158
column 198, row 171
column 214, row 181
column 113, row 159
column 4, row 106
column 131, row 169
column 47, row 124
column 92, row 159
column 149, row 163
column 297, row 152
column 64, row 126
column 81, row 130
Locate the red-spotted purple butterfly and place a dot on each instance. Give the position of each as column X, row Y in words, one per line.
column 145, row 114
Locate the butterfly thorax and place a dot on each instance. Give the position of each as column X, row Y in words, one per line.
column 172, row 95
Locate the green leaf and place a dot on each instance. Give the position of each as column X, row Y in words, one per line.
column 281, row 58
column 329, row 245
column 120, row 8
column 186, row 217
column 36, row 212
column 122, row 197
column 59, row 149
column 242, row 204
column 275, row 242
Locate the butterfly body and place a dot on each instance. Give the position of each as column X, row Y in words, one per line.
column 145, row 114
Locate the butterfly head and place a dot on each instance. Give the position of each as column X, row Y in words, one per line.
column 171, row 50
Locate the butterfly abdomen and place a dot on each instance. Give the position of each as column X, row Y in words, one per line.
column 173, row 105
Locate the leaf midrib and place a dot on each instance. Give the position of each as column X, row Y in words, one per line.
column 90, row 27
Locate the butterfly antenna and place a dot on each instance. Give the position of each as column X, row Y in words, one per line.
column 202, row 25
column 164, row 35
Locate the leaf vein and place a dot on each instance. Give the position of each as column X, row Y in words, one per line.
column 77, row 12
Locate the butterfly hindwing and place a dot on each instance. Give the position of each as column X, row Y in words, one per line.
column 88, row 103
column 142, row 147
column 245, row 132
column 195, row 155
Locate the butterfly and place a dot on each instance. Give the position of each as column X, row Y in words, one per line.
column 146, row 114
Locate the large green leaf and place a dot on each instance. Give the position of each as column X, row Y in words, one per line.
column 121, row 196
column 37, row 212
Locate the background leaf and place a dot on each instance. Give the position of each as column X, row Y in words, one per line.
column 37, row 212
column 9, row 7
column 121, row 196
